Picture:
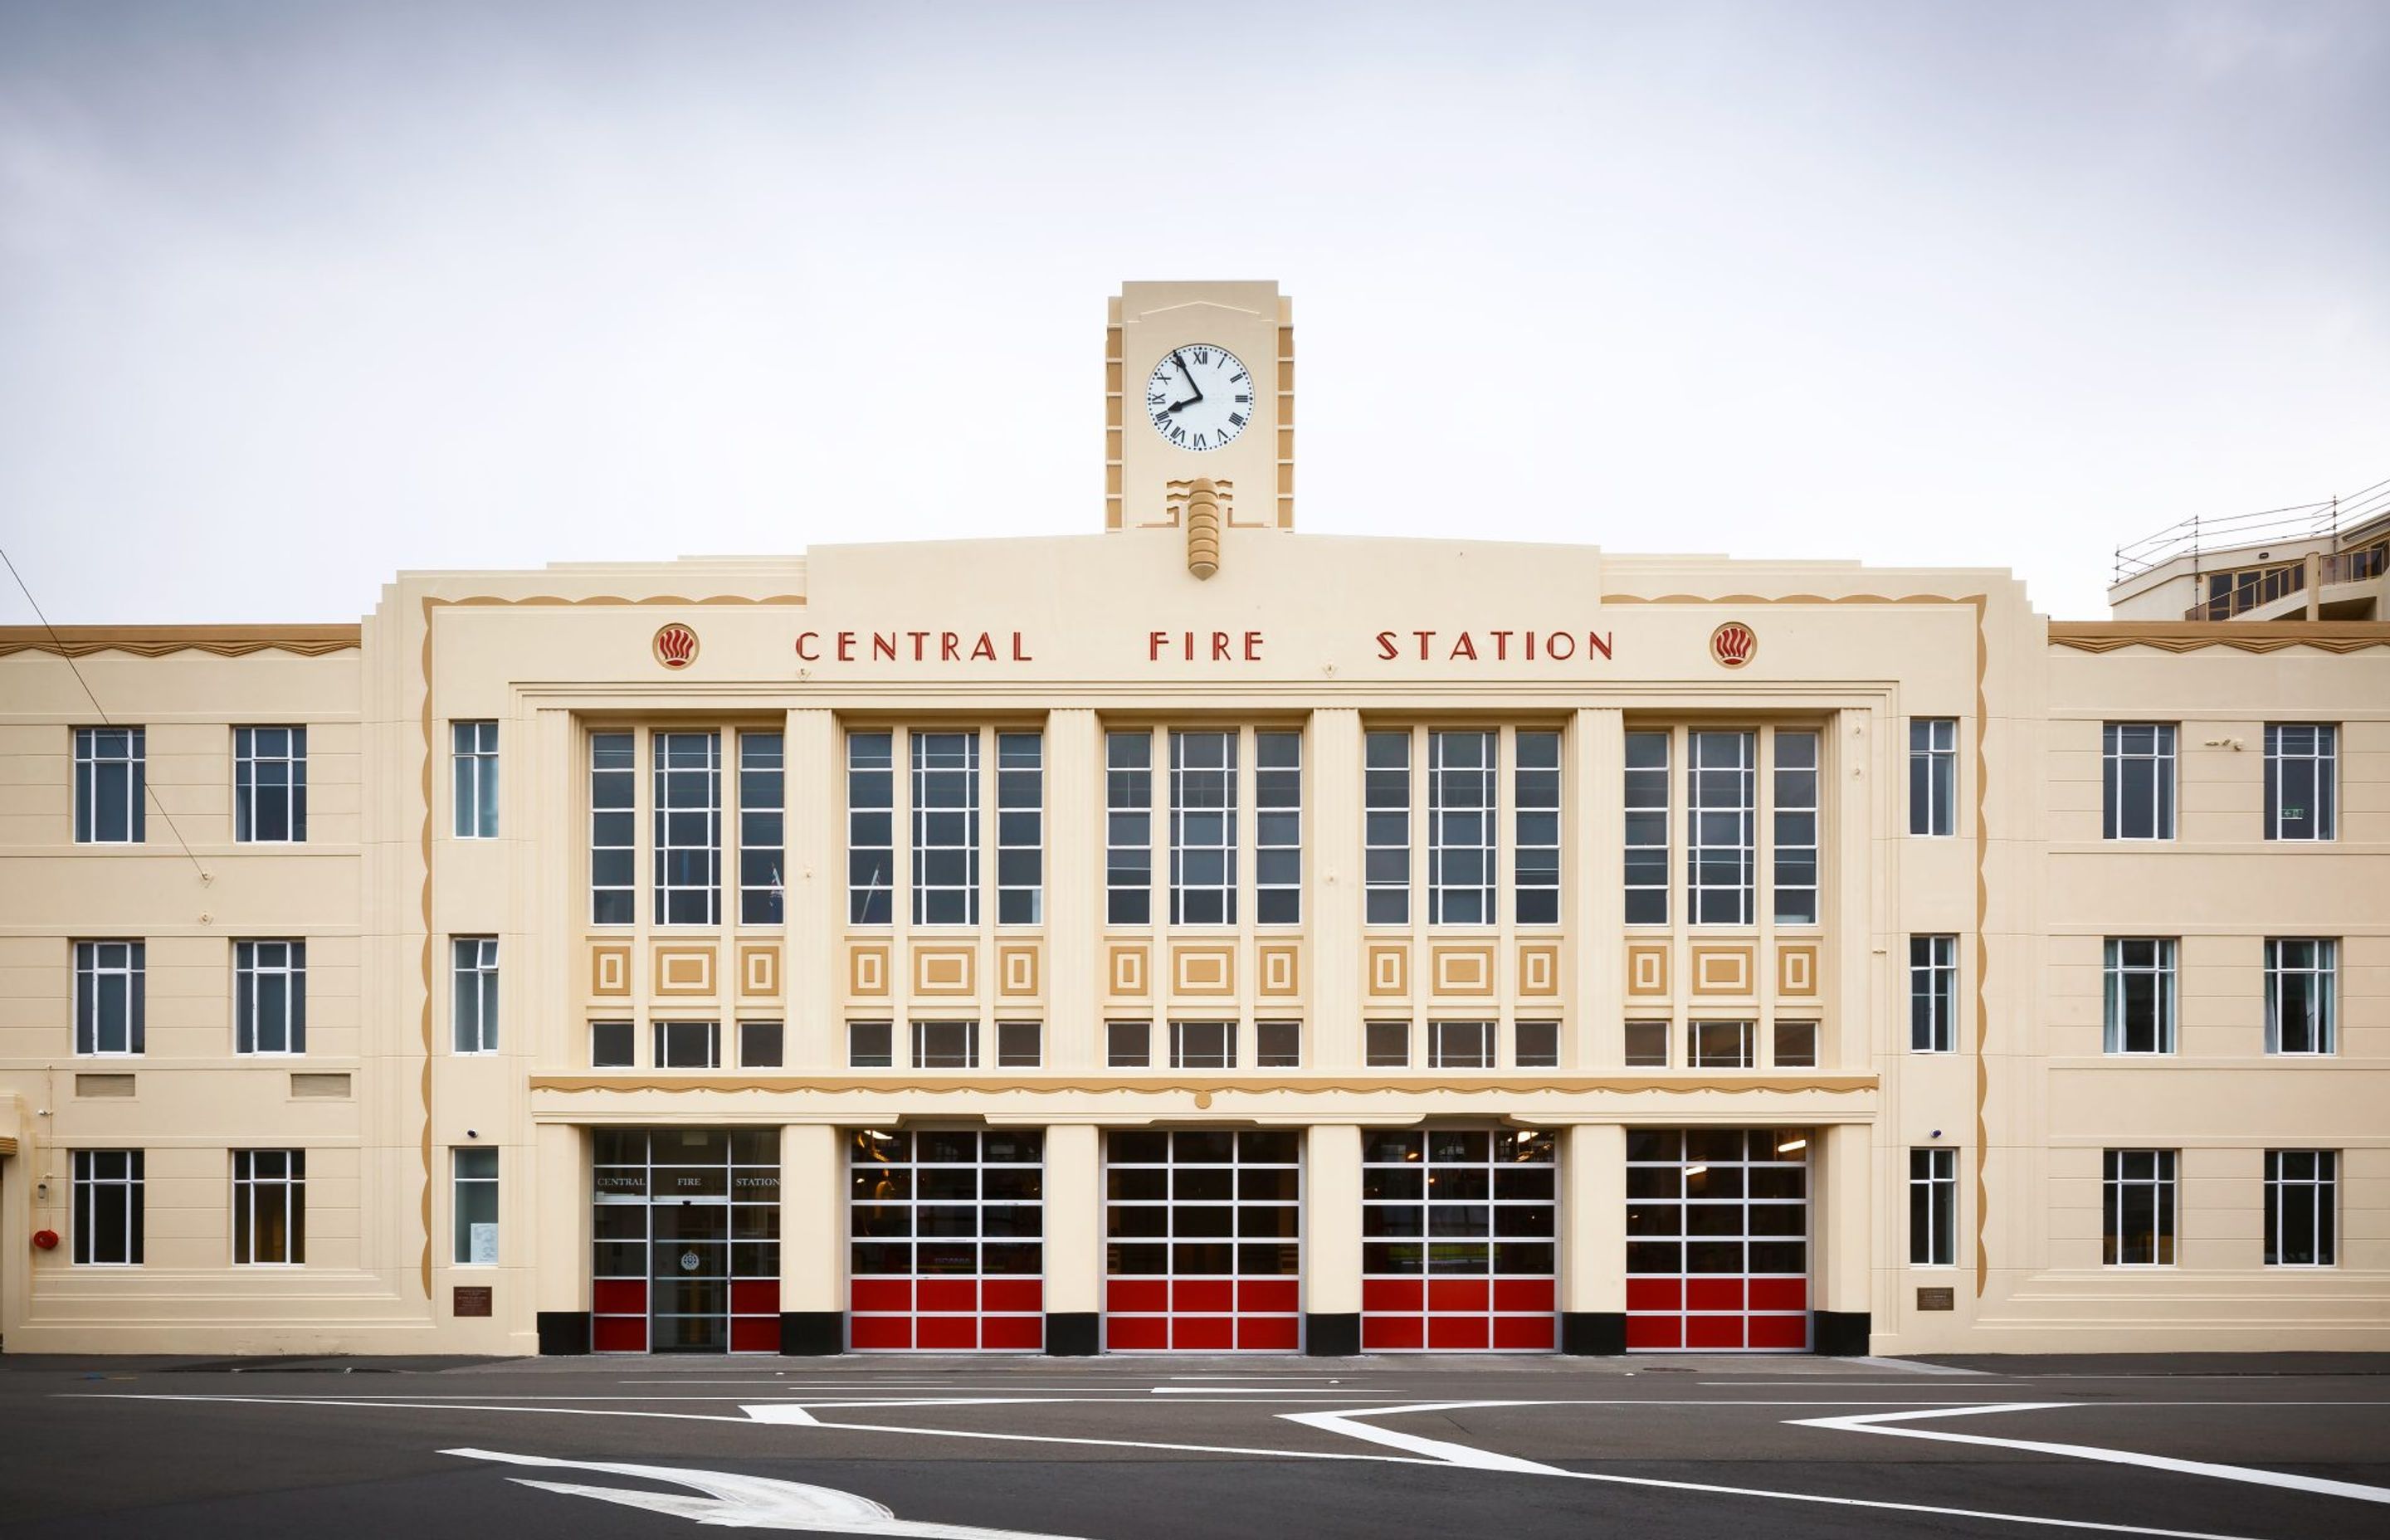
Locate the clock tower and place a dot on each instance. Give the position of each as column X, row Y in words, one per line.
column 1198, row 413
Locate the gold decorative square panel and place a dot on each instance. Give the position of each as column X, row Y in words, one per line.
column 1646, row 972
column 1539, row 969
column 1723, row 971
column 1463, row 970
column 1280, row 967
column 867, row 970
column 1207, row 972
column 945, row 972
column 683, row 971
column 609, row 971
column 1017, row 971
column 1390, row 970
column 1796, row 972
column 759, row 968
column 1126, row 970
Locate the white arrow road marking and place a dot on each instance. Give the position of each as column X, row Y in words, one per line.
column 745, row 1501
column 1874, row 1424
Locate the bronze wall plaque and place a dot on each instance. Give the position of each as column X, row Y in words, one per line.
column 474, row 1300
column 1938, row 1299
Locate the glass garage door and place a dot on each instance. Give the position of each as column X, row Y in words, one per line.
column 1717, row 1225
column 1203, row 1248
column 948, row 1250
column 1457, row 1248
column 686, row 1251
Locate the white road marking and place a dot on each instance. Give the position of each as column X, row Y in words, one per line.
column 798, row 1416
column 1875, row 1424
column 1913, row 1366
column 744, row 1502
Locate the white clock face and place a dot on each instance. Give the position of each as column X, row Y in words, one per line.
column 1200, row 397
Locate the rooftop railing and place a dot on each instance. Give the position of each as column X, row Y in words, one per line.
column 2330, row 519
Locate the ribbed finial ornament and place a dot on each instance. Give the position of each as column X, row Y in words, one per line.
column 1203, row 528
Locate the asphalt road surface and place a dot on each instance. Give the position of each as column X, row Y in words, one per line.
column 1159, row 1448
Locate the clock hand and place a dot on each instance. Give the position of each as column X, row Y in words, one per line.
column 1188, row 373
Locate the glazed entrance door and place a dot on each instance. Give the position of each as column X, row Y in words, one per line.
column 688, row 1278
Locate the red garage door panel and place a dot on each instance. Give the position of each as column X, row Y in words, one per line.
column 947, row 1253
column 1456, row 1240
column 1717, row 1224
column 1203, row 1241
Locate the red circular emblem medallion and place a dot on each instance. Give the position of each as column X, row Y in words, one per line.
column 675, row 646
column 1733, row 644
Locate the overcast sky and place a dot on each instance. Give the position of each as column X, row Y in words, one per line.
column 293, row 296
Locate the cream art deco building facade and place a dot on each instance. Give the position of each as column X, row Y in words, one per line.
column 1196, row 935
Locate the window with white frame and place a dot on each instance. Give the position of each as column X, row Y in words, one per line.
column 473, row 1207
column 1933, row 1207
column 945, row 1045
column 1536, row 828
column 473, row 778
column 473, row 993
column 1460, row 826
column 1721, row 1045
column 1933, row 994
column 612, row 1044
column 1386, row 826
column 110, row 770
column 2137, row 780
column 1535, row 1044
column 1461, row 1044
column 1795, row 818
column 269, row 997
column 1796, row 1046
column 1386, row 1045
column 107, row 1208
column 2302, row 1207
column 269, row 785
column 1019, row 1044
column 1646, row 1045
column 269, row 1208
column 1933, row 774
column 688, row 827
column 1277, row 828
column 688, row 1045
column 614, row 829
column 111, row 986
column 870, row 1045
column 2136, row 1208
column 1128, row 1045
column 1020, row 829
column 1722, row 825
column 1278, row 1045
column 2301, row 973
column 762, row 808
column 2301, row 785
column 946, row 828
column 2140, row 1009
column 1128, row 827
column 1203, row 828
column 1647, row 828
column 1203, row 1045
column 759, row 1045
column 870, row 829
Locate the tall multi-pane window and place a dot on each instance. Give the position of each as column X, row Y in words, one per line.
column 473, row 993
column 473, row 1204
column 1203, row 828
column 269, row 997
column 2136, row 1208
column 1647, row 828
column 688, row 827
column 107, row 1208
column 111, row 990
column 1933, row 994
column 2300, row 783
column 763, row 804
column 1128, row 828
column 473, row 778
column 1277, row 828
column 946, row 828
column 1535, row 827
column 2302, row 1207
column 1460, row 826
column 1722, row 815
column 870, row 829
column 1386, row 826
column 1933, row 1207
column 2300, row 975
column 1933, row 774
column 1797, row 829
column 269, row 785
column 2137, row 780
column 269, row 1207
column 614, row 829
column 110, row 769
column 1019, row 828
column 2140, row 1009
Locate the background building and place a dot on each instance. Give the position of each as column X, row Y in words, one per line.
column 1197, row 936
